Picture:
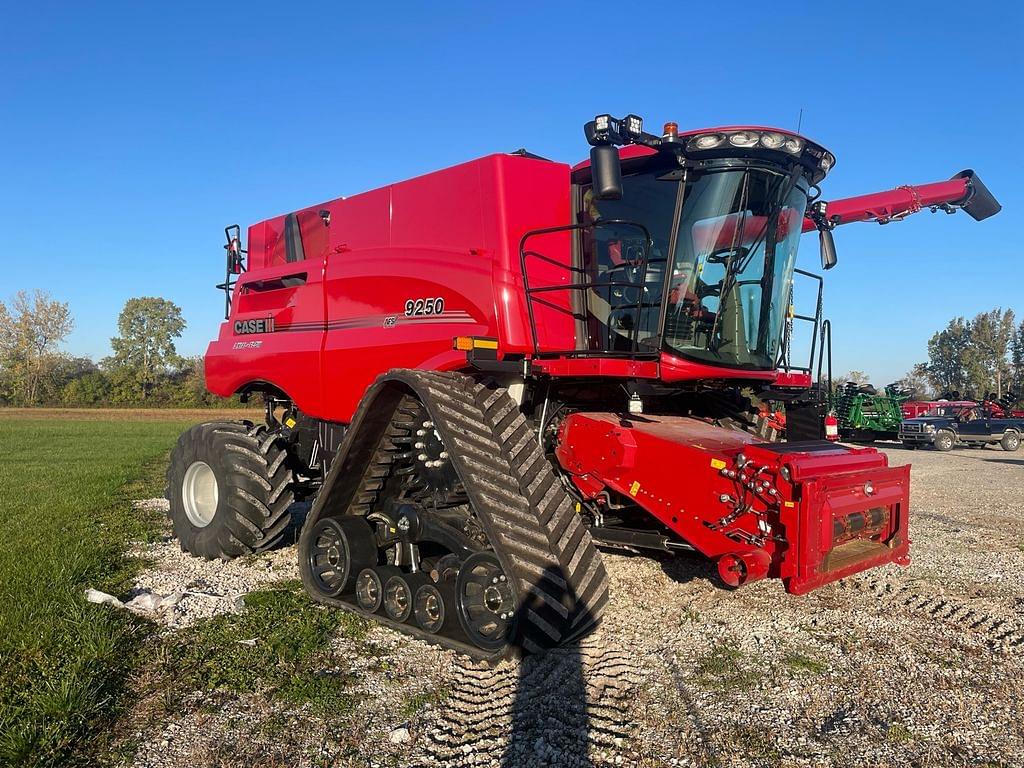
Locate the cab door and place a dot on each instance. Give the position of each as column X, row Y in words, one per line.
column 977, row 428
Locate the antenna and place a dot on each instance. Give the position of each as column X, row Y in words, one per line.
column 800, row 120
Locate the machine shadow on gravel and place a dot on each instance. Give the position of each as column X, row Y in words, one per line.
column 685, row 567
column 550, row 718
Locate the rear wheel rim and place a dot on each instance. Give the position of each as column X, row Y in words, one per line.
column 200, row 494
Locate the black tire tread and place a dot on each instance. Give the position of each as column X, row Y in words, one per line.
column 256, row 489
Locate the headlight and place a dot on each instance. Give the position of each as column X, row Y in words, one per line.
column 773, row 140
column 929, row 427
column 706, row 141
column 793, row 146
column 743, row 139
column 827, row 161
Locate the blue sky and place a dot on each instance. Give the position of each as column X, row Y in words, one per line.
column 130, row 134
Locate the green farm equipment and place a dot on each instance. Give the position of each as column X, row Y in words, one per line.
column 865, row 414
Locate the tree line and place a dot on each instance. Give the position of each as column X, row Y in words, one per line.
column 144, row 368
column 970, row 359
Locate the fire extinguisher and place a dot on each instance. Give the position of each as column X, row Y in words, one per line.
column 831, row 427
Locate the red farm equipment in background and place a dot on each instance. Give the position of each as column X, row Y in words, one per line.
column 481, row 375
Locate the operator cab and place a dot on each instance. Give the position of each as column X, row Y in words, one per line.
column 693, row 254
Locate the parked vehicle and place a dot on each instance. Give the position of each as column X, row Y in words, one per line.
column 947, row 426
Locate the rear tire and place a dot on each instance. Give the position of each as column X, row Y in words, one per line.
column 229, row 487
column 1010, row 441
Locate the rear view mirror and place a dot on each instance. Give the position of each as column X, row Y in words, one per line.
column 234, row 249
column 828, row 249
column 606, row 172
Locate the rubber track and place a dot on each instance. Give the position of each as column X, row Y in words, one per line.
column 528, row 517
column 1002, row 633
column 577, row 699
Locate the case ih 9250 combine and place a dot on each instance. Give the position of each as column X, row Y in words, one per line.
column 479, row 373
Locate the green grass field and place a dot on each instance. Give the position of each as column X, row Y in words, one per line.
column 65, row 517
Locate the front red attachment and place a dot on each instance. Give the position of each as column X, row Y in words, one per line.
column 807, row 513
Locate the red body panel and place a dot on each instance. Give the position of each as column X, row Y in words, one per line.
column 805, row 530
column 339, row 314
column 452, row 235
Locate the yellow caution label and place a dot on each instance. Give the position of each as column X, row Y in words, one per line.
column 634, row 489
column 789, row 503
column 289, row 422
column 717, row 464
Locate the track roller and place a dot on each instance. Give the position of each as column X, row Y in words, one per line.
column 398, row 595
column 370, row 587
column 485, row 601
column 432, row 606
column 478, row 545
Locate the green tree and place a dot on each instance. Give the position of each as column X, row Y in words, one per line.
column 1017, row 359
column 90, row 390
column 988, row 353
column 145, row 350
column 858, row 377
column 32, row 327
column 948, row 350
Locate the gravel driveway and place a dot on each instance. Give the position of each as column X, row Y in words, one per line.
column 918, row 666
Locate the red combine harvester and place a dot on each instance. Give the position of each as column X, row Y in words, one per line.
column 481, row 374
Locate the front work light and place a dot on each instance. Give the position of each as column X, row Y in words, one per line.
column 634, row 125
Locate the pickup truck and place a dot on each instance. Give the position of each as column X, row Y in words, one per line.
column 946, row 426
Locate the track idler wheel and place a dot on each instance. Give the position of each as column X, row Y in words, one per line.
column 340, row 548
column 485, row 601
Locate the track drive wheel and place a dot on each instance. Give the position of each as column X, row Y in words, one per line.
column 229, row 487
column 479, row 546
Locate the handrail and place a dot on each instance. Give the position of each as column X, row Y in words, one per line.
column 585, row 285
column 815, row 321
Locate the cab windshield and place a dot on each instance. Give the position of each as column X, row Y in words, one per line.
column 729, row 247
